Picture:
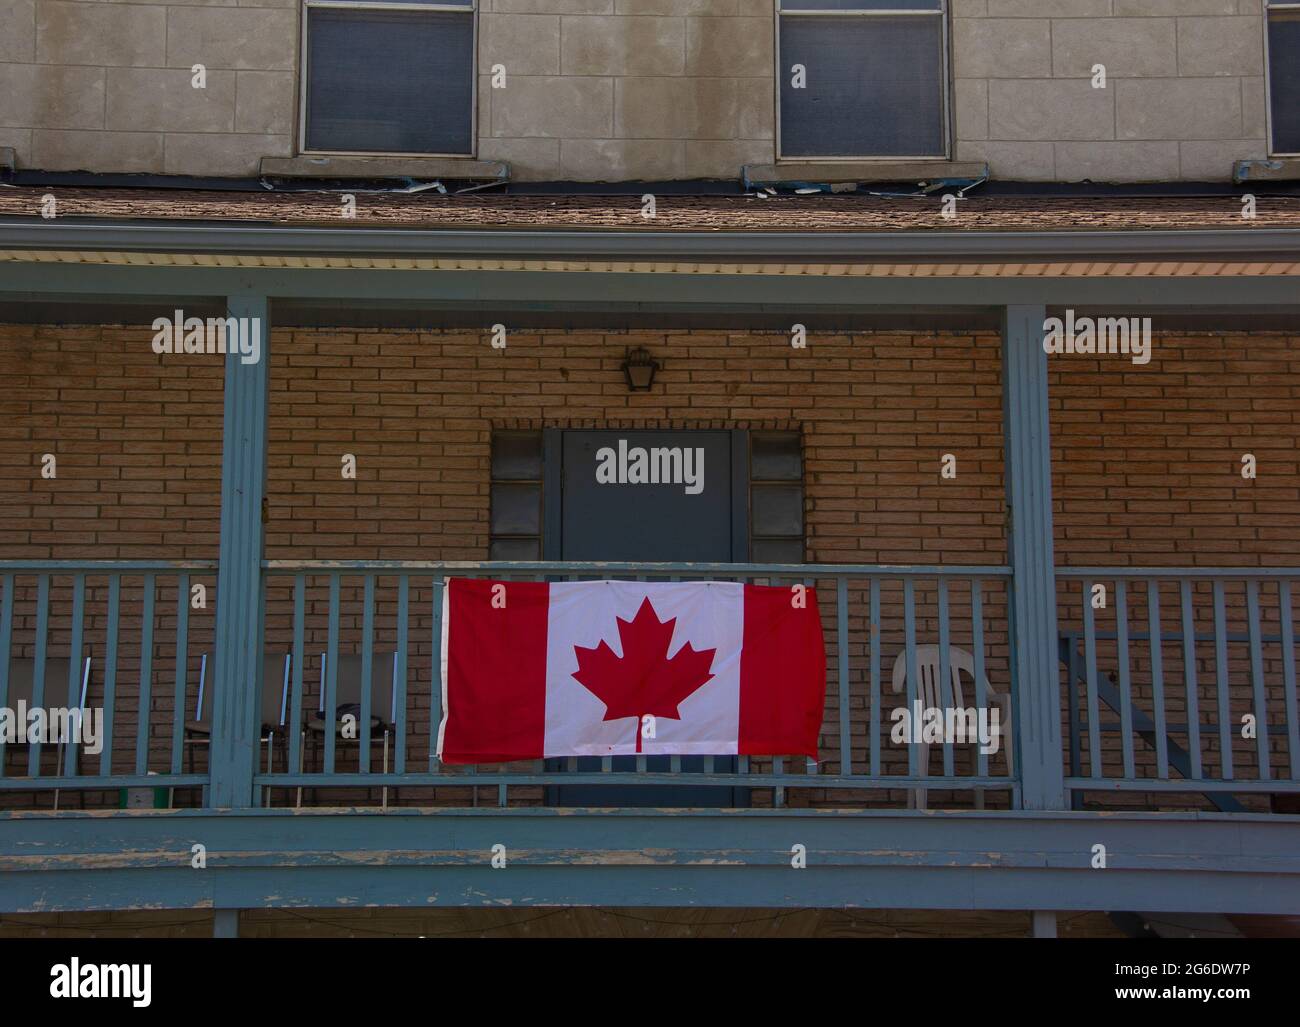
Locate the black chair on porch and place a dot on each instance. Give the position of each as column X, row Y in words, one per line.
column 347, row 699
column 22, row 682
column 275, row 669
column 22, row 679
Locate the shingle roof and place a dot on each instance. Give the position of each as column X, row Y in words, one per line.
column 820, row 212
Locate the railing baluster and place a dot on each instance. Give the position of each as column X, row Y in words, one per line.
column 398, row 713
column 75, row 668
column 435, row 677
column 1189, row 678
column 977, row 643
column 1257, row 679
column 874, row 632
column 1154, row 629
column 144, row 722
column 947, row 698
column 6, row 639
column 330, row 710
column 1090, row 673
column 294, row 727
column 1125, row 684
column 909, row 635
column 842, row 664
column 182, row 661
column 1221, row 681
column 110, row 673
column 1288, row 678
column 38, row 680
column 778, row 762
column 675, row 762
column 367, row 671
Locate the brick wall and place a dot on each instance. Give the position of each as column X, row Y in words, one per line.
column 1146, row 458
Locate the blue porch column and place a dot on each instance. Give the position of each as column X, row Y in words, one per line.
column 1034, row 675
column 238, row 644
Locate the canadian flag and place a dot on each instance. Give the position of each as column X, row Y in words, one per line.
column 599, row 668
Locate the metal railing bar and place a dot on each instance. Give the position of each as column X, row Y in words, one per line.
column 104, row 566
column 1222, row 683
column 6, row 640
column 367, row 671
column 75, row 673
column 842, row 672
column 874, row 631
column 1156, row 637
column 294, row 726
column 1189, row 679
column 1288, row 678
column 1125, row 689
column 435, row 675
column 182, row 666
column 1178, row 573
column 86, row 783
column 977, row 643
column 909, row 635
column 1090, row 678
column 1257, row 680
column 38, row 679
column 857, row 782
column 398, row 713
column 946, row 697
column 146, row 676
column 329, row 710
column 110, row 673
column 650, row 570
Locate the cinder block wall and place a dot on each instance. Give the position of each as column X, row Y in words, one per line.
column 642, row 89
column 1147, row 471
column 1185, row 94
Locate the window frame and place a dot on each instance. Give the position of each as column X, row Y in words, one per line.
column 1272, row 7
column 471, row 8
column 945, row 116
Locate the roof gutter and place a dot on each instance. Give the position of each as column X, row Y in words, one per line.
column 1238, row 245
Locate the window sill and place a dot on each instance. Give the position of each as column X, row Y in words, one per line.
column 307, row 166
column 862, row 171
column 1274, row 169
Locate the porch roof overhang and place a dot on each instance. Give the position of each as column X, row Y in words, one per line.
column 805, row 255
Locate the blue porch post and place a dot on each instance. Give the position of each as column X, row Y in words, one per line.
column 238, row 644
column 1028, row 473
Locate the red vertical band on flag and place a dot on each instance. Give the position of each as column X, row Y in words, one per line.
column 494, row 707
column 782, row 673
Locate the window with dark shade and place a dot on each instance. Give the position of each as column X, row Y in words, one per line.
column 384, row 80
column 862, row 78
column 1284, row 77
column 776, row 497
column 516, row 497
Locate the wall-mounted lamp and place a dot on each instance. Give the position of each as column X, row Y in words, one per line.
column 639, row 367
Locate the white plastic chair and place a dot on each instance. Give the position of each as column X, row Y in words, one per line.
column 931, row 696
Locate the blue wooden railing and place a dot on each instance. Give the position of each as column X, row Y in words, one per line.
column 76, row 609
column 1216, row 645
column 320, row 613
column 1141, row 717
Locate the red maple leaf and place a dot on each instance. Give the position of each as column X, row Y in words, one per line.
column 643, row 681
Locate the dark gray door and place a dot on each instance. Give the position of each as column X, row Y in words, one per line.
column 650, row 496
column 670, row 498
